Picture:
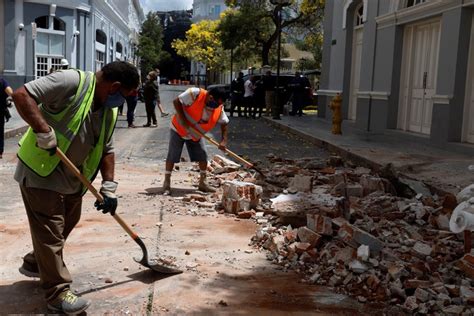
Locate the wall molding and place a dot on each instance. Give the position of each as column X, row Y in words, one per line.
column 419, row 12
column 375, row 95
column 442, row 98
column 331, row 93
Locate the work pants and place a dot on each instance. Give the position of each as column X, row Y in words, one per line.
column 131, row 105
column 150, row 113
column 51, row 216
column 269, row 99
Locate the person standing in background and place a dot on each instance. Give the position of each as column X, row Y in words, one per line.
column 158, row 103
column 6, row 102
column 151, row 96
column 131, row 100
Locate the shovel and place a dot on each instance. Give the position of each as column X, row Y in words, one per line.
column 229, row 152
column 158, row 267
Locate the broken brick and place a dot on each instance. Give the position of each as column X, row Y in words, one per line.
column 245, row 214
column 466, row 264
column 302, row 183
column 319, row 224
column 307, row 235
column 301, row 247
column 240, row 196
column 355, row 237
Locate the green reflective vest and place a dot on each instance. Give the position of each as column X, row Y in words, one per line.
column 66, row 125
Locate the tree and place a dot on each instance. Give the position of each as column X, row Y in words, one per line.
column 258, row 21
column 150, row 43
column 202, row 44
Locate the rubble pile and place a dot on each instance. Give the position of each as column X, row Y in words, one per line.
column 347, row 228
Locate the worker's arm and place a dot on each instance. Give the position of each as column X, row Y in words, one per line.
column 179, row 110
column 29, row 111
column 223, row 143
column 107, row 167
column 9, row 91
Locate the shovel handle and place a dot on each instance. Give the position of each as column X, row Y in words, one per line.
column 93, row 190
column 231, row 153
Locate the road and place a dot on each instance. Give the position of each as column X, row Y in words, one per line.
column 223, row 273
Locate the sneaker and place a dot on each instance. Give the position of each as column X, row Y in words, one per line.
column 132, row 126
column 164, row 114
column 146, row 125
column 154, row 125
column 69, row 304
column 29, row 269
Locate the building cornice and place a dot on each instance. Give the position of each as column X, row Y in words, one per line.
column 421, row 11
column 68, row 4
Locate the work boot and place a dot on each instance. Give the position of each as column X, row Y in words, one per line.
column 29, row 269
column 69, row 304
column 167, row 185
column 203, row 185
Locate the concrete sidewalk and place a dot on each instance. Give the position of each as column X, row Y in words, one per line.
column 444, row 169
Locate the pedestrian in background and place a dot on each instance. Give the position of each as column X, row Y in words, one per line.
column 151, row 96
column 51, row 193
column 300, row 87
column 249, row 86
column 158, row 103
column 200, row 109
column 6, row 102
column 237, row 96
column 131, row 100
column 268, row 83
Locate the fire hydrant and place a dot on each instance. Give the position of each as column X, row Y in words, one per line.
column 335, row 106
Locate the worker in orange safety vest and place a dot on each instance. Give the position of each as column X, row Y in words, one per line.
column 197, row 112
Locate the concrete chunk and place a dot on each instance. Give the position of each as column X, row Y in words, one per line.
column 302, row 183
column 306, row 235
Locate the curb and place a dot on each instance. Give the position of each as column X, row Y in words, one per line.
column 344, row 153
column 15, row 131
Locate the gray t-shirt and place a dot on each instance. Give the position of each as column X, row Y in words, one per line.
column 55, row 92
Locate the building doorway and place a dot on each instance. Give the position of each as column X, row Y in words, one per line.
column 468, row 124
column 357, row 38
column 418, row 79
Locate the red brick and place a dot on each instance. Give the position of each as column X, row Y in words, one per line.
column 319, row 224
column 308, row 236
column 355, row 237
column 466, row 264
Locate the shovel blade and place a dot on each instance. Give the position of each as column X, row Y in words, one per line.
column 160, row 267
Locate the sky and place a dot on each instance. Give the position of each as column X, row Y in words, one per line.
column 165, row 5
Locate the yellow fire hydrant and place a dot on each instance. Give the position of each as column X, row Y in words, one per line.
column 335, row 106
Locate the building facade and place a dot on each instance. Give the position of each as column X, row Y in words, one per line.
column 37, row 34
column 404, row 65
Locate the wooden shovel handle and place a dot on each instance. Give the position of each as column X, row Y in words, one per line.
column 93, row 190
column 231, row 153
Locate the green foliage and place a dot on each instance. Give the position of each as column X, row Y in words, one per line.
column 202, row 43
column 150, row 43
column 254, row 23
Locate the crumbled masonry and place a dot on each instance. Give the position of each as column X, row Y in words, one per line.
column 345, row 227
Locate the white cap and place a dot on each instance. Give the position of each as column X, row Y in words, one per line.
column 64, row 62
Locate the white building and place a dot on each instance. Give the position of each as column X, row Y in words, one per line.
column 37, row 34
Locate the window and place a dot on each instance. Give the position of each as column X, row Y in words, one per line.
column 118, row 51
column 100, row 42
column 49, row 44
column 411, row 3
column 359, row 16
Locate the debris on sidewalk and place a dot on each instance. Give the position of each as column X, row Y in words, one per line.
column 393, row 245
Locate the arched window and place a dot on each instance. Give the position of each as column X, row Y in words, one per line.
column 100, row 42
column 118, row 51
column 411, row 3
column 359, row 15
column 49, row 44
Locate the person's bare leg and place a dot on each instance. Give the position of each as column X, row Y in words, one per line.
column 203, row 185
column 167, row 183
column 163, row 113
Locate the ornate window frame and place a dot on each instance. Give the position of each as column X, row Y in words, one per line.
column 347, row 4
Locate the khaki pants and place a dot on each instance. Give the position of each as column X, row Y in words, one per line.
column 52, row 216
column 269, row 99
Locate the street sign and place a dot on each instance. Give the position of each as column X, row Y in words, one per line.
column 34, row 31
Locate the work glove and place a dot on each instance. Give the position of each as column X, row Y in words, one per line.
column 47, row 141
column 109, row 205
column 10, row 102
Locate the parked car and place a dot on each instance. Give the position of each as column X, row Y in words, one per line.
column 164, row 80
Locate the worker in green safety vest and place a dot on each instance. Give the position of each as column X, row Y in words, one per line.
column 75, row 111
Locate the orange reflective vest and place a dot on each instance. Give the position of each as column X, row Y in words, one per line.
column 194, row 115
